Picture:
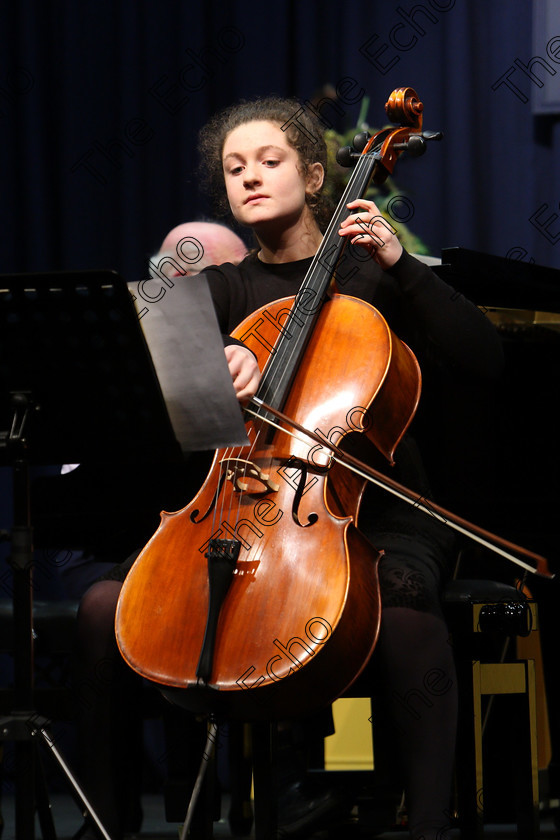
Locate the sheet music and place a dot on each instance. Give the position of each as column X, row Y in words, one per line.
column 183, row 336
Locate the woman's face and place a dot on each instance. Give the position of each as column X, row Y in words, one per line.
column 264, row 177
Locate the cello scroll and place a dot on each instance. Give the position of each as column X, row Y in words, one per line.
column 403, row 107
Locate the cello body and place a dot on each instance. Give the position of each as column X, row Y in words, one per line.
column 301, row 614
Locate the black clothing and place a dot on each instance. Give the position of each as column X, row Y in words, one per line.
column 423, row 310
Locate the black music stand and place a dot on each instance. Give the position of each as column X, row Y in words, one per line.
column 77, row 385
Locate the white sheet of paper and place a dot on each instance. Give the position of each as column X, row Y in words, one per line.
column 183, row 336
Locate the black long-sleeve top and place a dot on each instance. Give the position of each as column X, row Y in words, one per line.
column 429, row 315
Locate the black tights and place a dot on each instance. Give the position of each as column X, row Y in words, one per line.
column 417, row 706
column 418, row 700
column 417, row 703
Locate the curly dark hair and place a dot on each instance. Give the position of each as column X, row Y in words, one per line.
column 304, row 133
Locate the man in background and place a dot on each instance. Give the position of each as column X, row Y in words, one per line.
column 196, row 245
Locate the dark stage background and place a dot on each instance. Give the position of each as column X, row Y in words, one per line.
column 101, row 102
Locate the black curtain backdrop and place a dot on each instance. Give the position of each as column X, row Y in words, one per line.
column 101, row 102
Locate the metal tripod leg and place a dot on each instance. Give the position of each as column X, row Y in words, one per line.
column 42, row 732
column 26, row 729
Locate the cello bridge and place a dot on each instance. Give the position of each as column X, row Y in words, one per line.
column 223, row 550
column 242, row 473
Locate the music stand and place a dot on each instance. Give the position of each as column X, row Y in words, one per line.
column 77, row 384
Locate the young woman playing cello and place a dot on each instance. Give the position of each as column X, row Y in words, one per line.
column 273, row 173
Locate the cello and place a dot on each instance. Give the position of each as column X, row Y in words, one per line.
column 260, row 598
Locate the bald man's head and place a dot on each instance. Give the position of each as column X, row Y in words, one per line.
column 193, row 246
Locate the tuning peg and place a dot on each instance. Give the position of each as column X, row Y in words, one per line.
column 432, row 135
column 360, row 141
column 346, row 156
column 415, row 145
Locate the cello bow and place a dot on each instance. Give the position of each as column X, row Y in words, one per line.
column 489, row 540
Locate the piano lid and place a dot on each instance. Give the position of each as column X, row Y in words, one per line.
column 499, row 282
column 503, row 317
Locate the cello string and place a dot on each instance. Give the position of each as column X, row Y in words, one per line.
column 233, row 514
column 287, row 350
column 217, row 504
column 258, row 429
column 276, row 377
column 279, row 372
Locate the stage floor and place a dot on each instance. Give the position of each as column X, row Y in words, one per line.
column 67, row 820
